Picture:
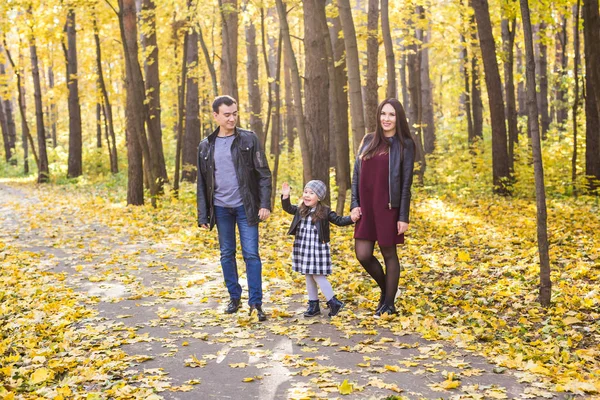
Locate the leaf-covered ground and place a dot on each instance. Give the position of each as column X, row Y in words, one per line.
column 100, row 300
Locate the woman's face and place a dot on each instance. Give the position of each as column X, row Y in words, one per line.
column 310, row 198
column 388, row 119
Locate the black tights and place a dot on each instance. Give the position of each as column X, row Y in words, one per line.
column 388, row 281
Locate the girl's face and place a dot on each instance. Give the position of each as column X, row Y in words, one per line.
column 310, row 198
column 388, row 119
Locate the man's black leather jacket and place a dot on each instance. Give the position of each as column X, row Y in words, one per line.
column 322, row 226
column 400, row 176
column 252, row 171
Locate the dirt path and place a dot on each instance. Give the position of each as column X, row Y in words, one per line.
column 171, row 301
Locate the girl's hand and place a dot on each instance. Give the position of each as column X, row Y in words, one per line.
column 285, row 190
column 402, row 227
column 355, row 214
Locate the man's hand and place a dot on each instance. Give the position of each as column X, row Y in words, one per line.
column 263, row 214
column 402, row 227
column 285, row 190
column 205, row 226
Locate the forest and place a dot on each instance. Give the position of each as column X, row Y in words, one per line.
column 103, row 104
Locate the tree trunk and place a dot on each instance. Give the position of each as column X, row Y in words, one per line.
column 543, row 81
column 521, row 95
column 5, row 137
column 372, row 66
column 476, row 101
column 390, row 62
column 8, row 125
column 191, row 138
column 270, row 86
column 75, row 142
column 136, row 113
column 26, row 134
column 464, row 55
column 591, row 23
column 353, row 66
column 151, row 67
column 98, row 123
column 403, row 81
column 508, row 40
column 340, row 121
column 255, row 102
column 590, row 113
column 276, row 130
column 53, row 114
column 290, row 116
column 501, row 173
column 414, row 90
column 26, row 138
column 111, row 144
column 316, row 91
column 209, row 63
column 427, row 98
column 229, row 15
column 561, row 65
column 297, row 90
column 540, row 194
column 43, row 170
column 591, row 31
column 180, row 112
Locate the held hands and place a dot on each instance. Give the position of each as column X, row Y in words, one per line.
column 285, row 190
column 355, row 214
column 402, row 227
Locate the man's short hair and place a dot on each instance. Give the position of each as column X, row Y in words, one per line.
column 219, row 100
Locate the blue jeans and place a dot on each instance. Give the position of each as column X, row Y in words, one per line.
column 226, row 221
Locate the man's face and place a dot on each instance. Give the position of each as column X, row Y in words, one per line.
column 227, row 116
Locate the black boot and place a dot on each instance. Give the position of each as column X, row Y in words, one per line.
column 233, row 306
column 259, row 311
column 313, row 308
column 334, row 306
column 381, row 302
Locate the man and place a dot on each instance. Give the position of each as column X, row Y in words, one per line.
column 234, row 187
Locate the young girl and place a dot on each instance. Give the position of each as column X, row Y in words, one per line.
column 311, row 255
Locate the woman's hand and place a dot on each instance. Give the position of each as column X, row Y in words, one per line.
column 285, row 190
column 402, row 227
column 355, row 214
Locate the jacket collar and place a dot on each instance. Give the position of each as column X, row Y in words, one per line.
column 212, row 137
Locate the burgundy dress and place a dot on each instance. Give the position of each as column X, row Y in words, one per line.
column 378, row 222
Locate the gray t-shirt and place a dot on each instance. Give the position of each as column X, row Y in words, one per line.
column 227, row 188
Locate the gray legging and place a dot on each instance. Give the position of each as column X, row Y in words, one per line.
column 311, row 286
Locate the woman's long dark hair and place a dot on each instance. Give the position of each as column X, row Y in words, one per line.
column 379, row 141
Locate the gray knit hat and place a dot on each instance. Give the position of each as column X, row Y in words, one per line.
column 317, row 187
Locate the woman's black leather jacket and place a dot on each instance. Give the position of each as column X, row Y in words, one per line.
column 400, row 176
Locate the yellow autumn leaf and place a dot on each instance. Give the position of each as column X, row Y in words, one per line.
column 571, row 320
column 448, row 384
column 41, row 375
column 345, row 387
column 393, row 368
column 463, row 256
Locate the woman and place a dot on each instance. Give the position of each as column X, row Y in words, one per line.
column 383, row 174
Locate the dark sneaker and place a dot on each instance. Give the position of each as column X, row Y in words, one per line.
column 233, row 306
